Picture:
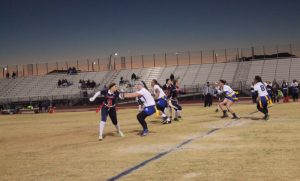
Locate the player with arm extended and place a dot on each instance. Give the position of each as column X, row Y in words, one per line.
column 108, row 108
column 148, row 101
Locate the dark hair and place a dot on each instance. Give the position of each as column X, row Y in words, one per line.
column 167, row 80
column 156, row 83
column 258, row 78
column 172, row 76
column 223, row 81
column 111, row 85
column 145, row 86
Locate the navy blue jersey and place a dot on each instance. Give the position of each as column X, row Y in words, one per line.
column 172, row 92
column 165, row 88
column 269, row 89
column 110, row 99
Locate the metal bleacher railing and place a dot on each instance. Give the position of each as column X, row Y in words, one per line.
column 193, row 68
column 118, row 62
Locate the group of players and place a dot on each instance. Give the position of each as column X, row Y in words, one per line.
column 164, row 98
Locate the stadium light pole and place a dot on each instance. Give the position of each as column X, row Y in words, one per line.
column 4, row 69
column 93, row 64
column 177, row 57
column 110, row 56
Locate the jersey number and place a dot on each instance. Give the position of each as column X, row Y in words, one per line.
column 262, row 87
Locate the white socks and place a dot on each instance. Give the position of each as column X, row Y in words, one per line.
column 118, row 127
column 101, row 127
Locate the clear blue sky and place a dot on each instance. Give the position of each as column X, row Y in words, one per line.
column 53, row 30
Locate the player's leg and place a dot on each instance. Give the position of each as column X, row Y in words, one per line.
column 141, row 118
column 262, row 106
column 174, row 104
column 104, row 113
column 170, row 110
column 222, row 106
column 113, row 116
column 228, row 106
column 161, row 106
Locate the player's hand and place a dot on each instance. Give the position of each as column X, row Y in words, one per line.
column 92, row 99
column 121, row 95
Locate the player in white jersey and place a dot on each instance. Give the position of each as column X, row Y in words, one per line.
column 148, row 101
column 229, row 99
column 161, row 101
column 263, row 99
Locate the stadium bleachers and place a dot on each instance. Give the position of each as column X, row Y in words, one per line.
column 283, row 69
column 22, row 88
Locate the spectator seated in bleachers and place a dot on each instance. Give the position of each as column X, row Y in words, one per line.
column 87, row 84
column 121, row 81
column 63, row 83
column 133, row 77
column 14, row 75
column 72, row 71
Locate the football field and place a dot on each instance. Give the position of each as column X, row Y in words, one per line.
column 201, row 146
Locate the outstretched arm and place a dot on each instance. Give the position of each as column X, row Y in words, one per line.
column 131, row 95
column 95, row 96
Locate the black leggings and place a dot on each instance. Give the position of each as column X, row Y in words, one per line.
column 295, row 96
column 264, row 110
column 160, row 108
column 112, row 114
column 141, row 117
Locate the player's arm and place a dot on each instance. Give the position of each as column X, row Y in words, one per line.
column 95, row 96
column 256, row 94
column 156, row 94
column 131, row 95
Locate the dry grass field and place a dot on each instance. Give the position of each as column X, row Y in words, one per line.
column 65, row 146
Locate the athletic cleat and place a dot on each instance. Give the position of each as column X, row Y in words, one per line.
column 164, row 119
column 235, row 117
column 176, row 119
column 224, row 116
column 144, row 132
column 266, row 117
column 167, row 122
column 100, row 138
column 217, row 110
column 121, row 134
column 179, row 117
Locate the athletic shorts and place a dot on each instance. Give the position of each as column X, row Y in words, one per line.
column 149, row 110
column 162, row 102
column 264, row 101
column 233, row 98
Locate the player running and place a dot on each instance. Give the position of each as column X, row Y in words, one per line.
column 108, row 108
column 173, row 102
column 229, row 99
column 161, row 101
column 263, row 99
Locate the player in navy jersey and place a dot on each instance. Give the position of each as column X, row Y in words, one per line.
column 108, row 108
column 173, row 102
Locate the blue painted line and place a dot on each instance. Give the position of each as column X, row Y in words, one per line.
column 158, row 156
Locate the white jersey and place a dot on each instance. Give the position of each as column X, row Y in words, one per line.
column 161, row 92
column 260, row 88
column 294, row 84
column 227, row 90
column 146, row 97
